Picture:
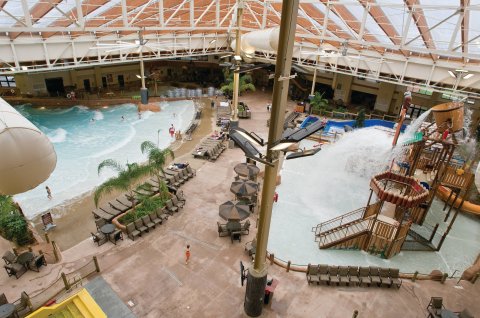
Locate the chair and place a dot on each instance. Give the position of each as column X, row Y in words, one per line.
column 374, row 275
column 251, row 247
column 180, row 196
column 162, row 214
column 434, row 307
column 132, row 232
column 147, row 222
column 385, row 279
column 37, row 262
column 154, row 218
column 23, row 306
column 343, row 275
column 394, row 275
column 222, row 229
column 116, row 236
column 333, row 272
column 9, row 257
column 3, row 299
column 15, row 269
column 177, row 203
column 312, row 274
column 323, row 274
column 191, row 172
column 364, row 276
column 171, row 207
column 99, row 223
column 245, row 227
column 140, row 226
column 99, row 238
column 353, row 275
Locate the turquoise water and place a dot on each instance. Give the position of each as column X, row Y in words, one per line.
column 84, row 137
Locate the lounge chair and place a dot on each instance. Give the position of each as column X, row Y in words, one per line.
column 15, row 269
column 171, row 207
column 9, row 257
column 177, row 203
column 37, row 262
column 116, row 236
column 435, row 306
column 175, row 176
column 99, row 238
column 374, row 275
column 124, row 200
column 132, row 232
column 179, row 174
column 385, row 279
column 180, row 196
column 312, row 274
column 245, row 227
column 147, row 222
column 118, row 206
column 353, row 274
column 162, row 214
column 343, row 275
column 3, row 299
column 465, row 314
column 191, row 172
column 222, row 229
column 155, row 219
column 23, row 305
column 364, row 276
column 333, row 272
column 394, row 275
column 323, row 274
column 140, row 226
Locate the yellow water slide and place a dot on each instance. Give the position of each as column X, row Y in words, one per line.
column 467, row 206
column 80, row 305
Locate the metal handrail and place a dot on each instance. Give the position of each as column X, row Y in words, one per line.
column 344, row 231
column 318, row 228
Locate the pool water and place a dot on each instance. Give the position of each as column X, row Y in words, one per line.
column 84, row 137
column 337, row 182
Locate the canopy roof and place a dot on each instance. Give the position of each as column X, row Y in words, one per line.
column 439, row 35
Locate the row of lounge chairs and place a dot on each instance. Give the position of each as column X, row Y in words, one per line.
column 347, row 275
column 209, row 149
column 150, row 221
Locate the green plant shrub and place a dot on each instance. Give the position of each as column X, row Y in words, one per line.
column 360, row 120
column 318, row 103
column 13, row 225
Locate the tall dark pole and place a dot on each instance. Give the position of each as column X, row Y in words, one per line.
column 257, row 276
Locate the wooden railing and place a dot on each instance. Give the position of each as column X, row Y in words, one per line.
column 339, row 221
column 350, row 115
column 344, row 233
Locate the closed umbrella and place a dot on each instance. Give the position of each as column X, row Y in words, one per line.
column 246, row 170
column 244, row 188
column 234, row 210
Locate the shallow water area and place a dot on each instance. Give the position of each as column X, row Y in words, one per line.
column 84, row 137
column 336, row 181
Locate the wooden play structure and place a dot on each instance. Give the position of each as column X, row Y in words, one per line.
column 395, row 218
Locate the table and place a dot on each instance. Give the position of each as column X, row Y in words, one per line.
column 25, row 258
column 445, row 313
column 7, row 310
column 107, row 229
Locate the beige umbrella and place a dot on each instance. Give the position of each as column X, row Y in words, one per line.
column 244, row 188
column 28, row 157
column 246, row 170
column 234, row 210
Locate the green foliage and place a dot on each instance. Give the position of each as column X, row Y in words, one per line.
column 13, row 225
column 123, row 181
column 156, row 157
column 360, row 120
column 148, row 205
column 319, row 103
column 341, row 109
column 245, row 84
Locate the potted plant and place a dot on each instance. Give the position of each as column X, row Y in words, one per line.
column 318, row 103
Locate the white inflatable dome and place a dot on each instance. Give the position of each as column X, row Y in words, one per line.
column 27, row 157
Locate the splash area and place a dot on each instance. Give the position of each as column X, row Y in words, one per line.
column 336, row 182
column 84, row 137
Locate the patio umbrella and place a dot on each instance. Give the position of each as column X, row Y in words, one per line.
column 246, row 170
column 234, row 210
column 244, row 188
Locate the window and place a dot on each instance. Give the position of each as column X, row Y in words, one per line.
column 7, row 81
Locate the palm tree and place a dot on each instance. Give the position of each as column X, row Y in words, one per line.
column 245, row 84
column 123, row 181
column 156, row 157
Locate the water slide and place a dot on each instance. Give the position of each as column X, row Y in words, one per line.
column 308, row 121
column 296, row 83
column 444, row 192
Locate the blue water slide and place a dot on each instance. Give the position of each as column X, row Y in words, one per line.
column 309, row 120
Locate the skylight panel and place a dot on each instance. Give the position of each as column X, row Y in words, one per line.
column 441, row 34
column 474, row 46
column 5, row 20
column 54, row 14
column 103, row 9
column 15, row 8
column 397, row 17
column 342, row 27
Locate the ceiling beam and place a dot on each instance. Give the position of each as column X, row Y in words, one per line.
column 464, row 6
column 422, row 25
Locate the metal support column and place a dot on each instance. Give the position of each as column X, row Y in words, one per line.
column 236, row 74
column 257, row 276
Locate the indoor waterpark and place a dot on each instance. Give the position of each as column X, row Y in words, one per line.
column 244, row 158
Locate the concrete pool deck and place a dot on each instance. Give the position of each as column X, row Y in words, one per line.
column 151, row 272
